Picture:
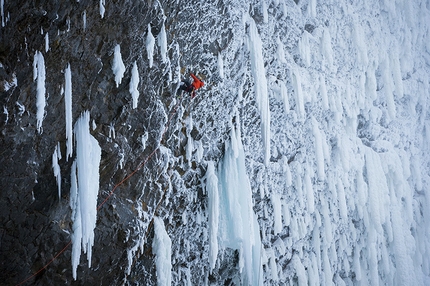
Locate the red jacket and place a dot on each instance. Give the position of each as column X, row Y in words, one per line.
column 197, row 83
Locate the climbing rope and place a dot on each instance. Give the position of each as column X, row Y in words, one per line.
column 116, row 186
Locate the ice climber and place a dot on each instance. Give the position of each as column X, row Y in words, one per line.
column 192, row 87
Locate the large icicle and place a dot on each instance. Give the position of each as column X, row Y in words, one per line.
column 162, row 248
column 69, row 116
column 238, row 225
column 83, row 194
column 39, row 74
column 261, row 93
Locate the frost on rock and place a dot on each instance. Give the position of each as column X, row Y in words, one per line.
column 39, row 75
column 84, row 190
column 10, row 84
column 134, row 83
column 118, row 67
column 326, row 48
column 69, row 115
column 162, row 249
column 238, row 227
column 150, row 44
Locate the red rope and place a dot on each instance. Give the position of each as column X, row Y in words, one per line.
column 44, row 267
column 113, row 190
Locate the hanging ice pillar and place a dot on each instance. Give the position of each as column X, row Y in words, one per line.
column 84, row 190
column 261, row 93
column 230, row 204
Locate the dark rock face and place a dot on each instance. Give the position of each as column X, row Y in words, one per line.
column 35, row 224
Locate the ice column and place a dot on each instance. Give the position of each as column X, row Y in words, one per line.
column 213, row 199
column 84, row 190
column 238, row 226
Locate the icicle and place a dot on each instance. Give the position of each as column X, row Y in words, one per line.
column 297, row 84
column 162, row 42
column 213, row 202
column 276, row 202
column 220, row 65
column 102, row 8
column 150, row 42
column 261, row 93
column 69, row 115
column 84, row 20
column 84, row 191
column 238, row 225
column 56, row 156
column 118, row 67
column 46, row 42
column 39, row 74
column 134, row 83
column 2, row 12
